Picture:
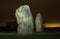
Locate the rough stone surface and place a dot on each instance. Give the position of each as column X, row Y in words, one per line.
column 24, row 20
column 38, row 23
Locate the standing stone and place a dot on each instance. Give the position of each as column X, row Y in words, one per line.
column 38, row 23
column 24, row 20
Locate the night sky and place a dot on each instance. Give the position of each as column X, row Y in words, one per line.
column 49, row 9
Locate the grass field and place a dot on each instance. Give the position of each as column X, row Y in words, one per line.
column 41, row 35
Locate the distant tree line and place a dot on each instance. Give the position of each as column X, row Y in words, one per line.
column 10, row 26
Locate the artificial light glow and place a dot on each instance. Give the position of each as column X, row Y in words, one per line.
column 52, row 25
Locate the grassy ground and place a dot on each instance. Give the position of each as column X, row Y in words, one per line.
column 41, row 35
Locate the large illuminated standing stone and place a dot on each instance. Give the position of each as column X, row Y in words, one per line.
column 24, row 20
column 38, row 23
